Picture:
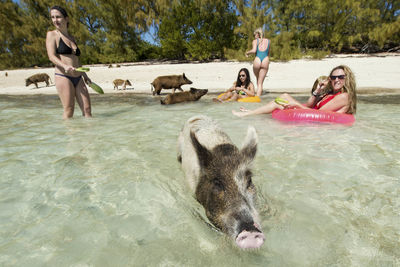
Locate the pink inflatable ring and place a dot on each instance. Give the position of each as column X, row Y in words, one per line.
column 312, row 115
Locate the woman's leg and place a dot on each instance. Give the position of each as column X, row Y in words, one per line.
column 292, row 101
column 83, row 99
column 261, row 75
column 234, row 97
column 224, row 97
column 66, row 92
column 256, row 68
column 268, row 108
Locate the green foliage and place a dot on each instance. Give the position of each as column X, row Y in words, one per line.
column 197, row 29
column 285, row 47
column 110, row 31
column 11, row 37
column 317, row 54
column 239, row 55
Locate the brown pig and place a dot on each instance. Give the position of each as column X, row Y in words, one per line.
column 219, row 175
column 192, row 95
column 169, row 82
column 118, row 82
column 40, row 77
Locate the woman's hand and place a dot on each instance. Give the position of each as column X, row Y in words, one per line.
column 291, row 105
column 87, row 79
column 238, row 89
column 321, row 86
column 69, row 69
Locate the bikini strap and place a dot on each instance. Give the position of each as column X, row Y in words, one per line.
column 69, row 39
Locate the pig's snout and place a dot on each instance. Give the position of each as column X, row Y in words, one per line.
column 248, row 239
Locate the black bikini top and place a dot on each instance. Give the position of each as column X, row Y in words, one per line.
column 66, row 50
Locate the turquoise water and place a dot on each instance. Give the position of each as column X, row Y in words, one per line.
column 109, row 191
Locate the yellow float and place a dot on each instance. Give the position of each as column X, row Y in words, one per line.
column 249, row 99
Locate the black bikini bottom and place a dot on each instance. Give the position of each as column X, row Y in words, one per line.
column 74, row 80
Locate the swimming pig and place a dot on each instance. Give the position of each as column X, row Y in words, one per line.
column 169, row 82
column 40, row 77
column 192, row 95
column 118, row 82
column 219, row 175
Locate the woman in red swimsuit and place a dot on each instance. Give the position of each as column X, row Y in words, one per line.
column 64, row 53
column 337, row 94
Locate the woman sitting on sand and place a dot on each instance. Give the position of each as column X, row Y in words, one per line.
column 337, row 94
column 64, row 53
column 242, row 88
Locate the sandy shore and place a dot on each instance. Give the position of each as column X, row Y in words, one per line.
column 374, row 74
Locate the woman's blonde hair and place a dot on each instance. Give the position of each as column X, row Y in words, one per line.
column 259, row 31
column 349, row 87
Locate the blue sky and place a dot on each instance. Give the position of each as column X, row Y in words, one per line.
column 150, row 36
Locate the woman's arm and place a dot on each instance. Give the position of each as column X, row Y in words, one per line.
column 86, row 78
column 316, row 95
column 312, row 101
column 51, row 52
column 339, row 104
column 233, row 88
column 249, row 91
column 253, row 50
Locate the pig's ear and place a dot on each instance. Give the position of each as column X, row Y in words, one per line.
column 203, row 154
column 183, row 75
column 249, row 147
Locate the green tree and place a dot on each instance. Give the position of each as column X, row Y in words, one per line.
column 252, row 15
column 198, row 29
column 11, row 37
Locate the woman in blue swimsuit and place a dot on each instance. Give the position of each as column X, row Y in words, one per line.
column 64, row 53
column 261, row 61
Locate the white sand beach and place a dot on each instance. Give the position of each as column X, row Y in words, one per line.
column 374, row 74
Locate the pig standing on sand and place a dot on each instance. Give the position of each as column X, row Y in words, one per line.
column 40, row 77
column 218, row 174
column 192, row 95
column 169, row 82
column 119, row 82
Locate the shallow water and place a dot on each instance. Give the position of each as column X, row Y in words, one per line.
column 109, row 191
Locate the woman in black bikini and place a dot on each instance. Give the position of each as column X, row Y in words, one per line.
column 64, row 53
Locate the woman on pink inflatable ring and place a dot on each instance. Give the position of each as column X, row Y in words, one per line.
column 336, row 94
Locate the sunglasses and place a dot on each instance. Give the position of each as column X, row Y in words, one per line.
column 340, row 77
column 242, row 75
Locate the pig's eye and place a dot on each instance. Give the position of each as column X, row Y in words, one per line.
column 249, row 174
column 218, row 185
column 249, row 183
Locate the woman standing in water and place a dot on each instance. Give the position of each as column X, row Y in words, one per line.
column 338, row 96
column 261, row 61
column 64, row 53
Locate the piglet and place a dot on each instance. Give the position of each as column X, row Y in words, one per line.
column 219, row 175
column 119, row 82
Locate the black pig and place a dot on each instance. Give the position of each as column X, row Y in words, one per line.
column 169, row 82
column 220, row 177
